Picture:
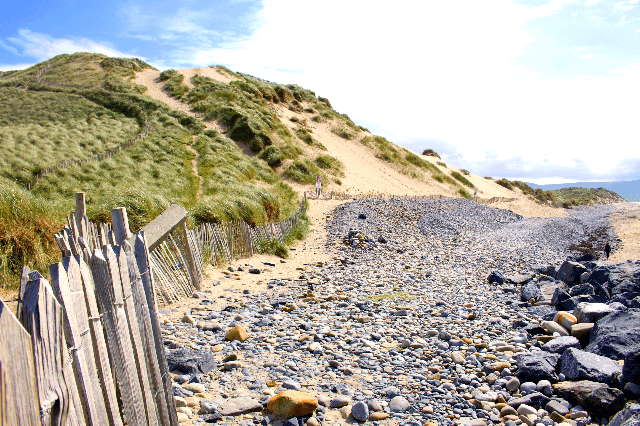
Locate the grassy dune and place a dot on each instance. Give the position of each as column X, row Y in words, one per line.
column 97, row 109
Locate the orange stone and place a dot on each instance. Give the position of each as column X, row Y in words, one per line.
column 292, row 403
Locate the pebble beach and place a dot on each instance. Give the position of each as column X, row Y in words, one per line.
column 400, row 326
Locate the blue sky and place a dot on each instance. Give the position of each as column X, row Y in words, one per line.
column 545, row 91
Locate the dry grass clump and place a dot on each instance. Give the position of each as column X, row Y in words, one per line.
column 303, row 171
column 463, row 180
column 505, row 184
column 173, row 83
column 330, row 164
column 430, row 153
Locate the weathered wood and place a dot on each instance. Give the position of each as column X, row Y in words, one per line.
column 18, row 385
column 136, row 338
column 81, row 209
column 158, row 229
column 101, row 354
column 120, row 223
column 189, row 257
column 42, row 317
column 142, row 259
column 24, row 279
column 68, row 287
column 146, row 332
column 109, row 289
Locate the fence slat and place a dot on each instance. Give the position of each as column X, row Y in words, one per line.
column 109, row 290
column 100, row 351
column 69, row 291
column 136, row 339
column 18, row 385
column 42, row 317
column 142, row 259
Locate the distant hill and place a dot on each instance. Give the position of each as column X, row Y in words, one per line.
column 629, row 190
column 586, row 196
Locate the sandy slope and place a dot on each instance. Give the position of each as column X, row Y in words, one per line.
column 364, row 173
column 626, row 223
column 213, row 73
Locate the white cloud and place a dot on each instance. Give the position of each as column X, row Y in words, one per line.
column 14, row 67
column 588, row 56
column 631, row 70
column 442, row 70
column 43, row 46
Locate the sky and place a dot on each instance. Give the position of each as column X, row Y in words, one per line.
column 541, row 91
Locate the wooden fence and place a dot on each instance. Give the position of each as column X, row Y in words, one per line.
column 87, row 348
column 215, row 243
column 177, row 255
column 328, row 195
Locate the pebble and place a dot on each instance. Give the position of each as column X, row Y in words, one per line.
column 360, row 411
column 398, row 404
column 513, row 384
column 408, row 329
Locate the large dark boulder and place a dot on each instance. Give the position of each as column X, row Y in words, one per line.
column 560, row 295
column 605, row 401
column 631, row 368
column 191, row 361
column 600, row 290
column 626, row 286
column 600, row 274
column 576, row 392
column 616, row 335
column 531, row 290
column 561, row 344
column 576, row 364
column 570, row 272
column 628, row 416
column 585, row 289
column 536, row 366
column 626, row 299
column 571, row 303
column 496, row 277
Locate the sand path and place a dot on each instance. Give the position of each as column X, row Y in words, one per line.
column 149, row 79
column 308, row 252
column 626, row 222
column 194, row 165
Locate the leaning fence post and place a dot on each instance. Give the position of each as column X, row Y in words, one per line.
column 142, row 260
column 19, row 402
column 120, row 222
column 188, row 252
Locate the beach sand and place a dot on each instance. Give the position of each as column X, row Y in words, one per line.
column 626, row 222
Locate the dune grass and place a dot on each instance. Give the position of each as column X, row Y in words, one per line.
column 229, row 187
column 27, row 225
column 173, row 83
column 303, row 171
column 505, row 183
column 463, row 180
column 82, row 69
column 463, row 192
column 39, row 130
column 330, row 164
